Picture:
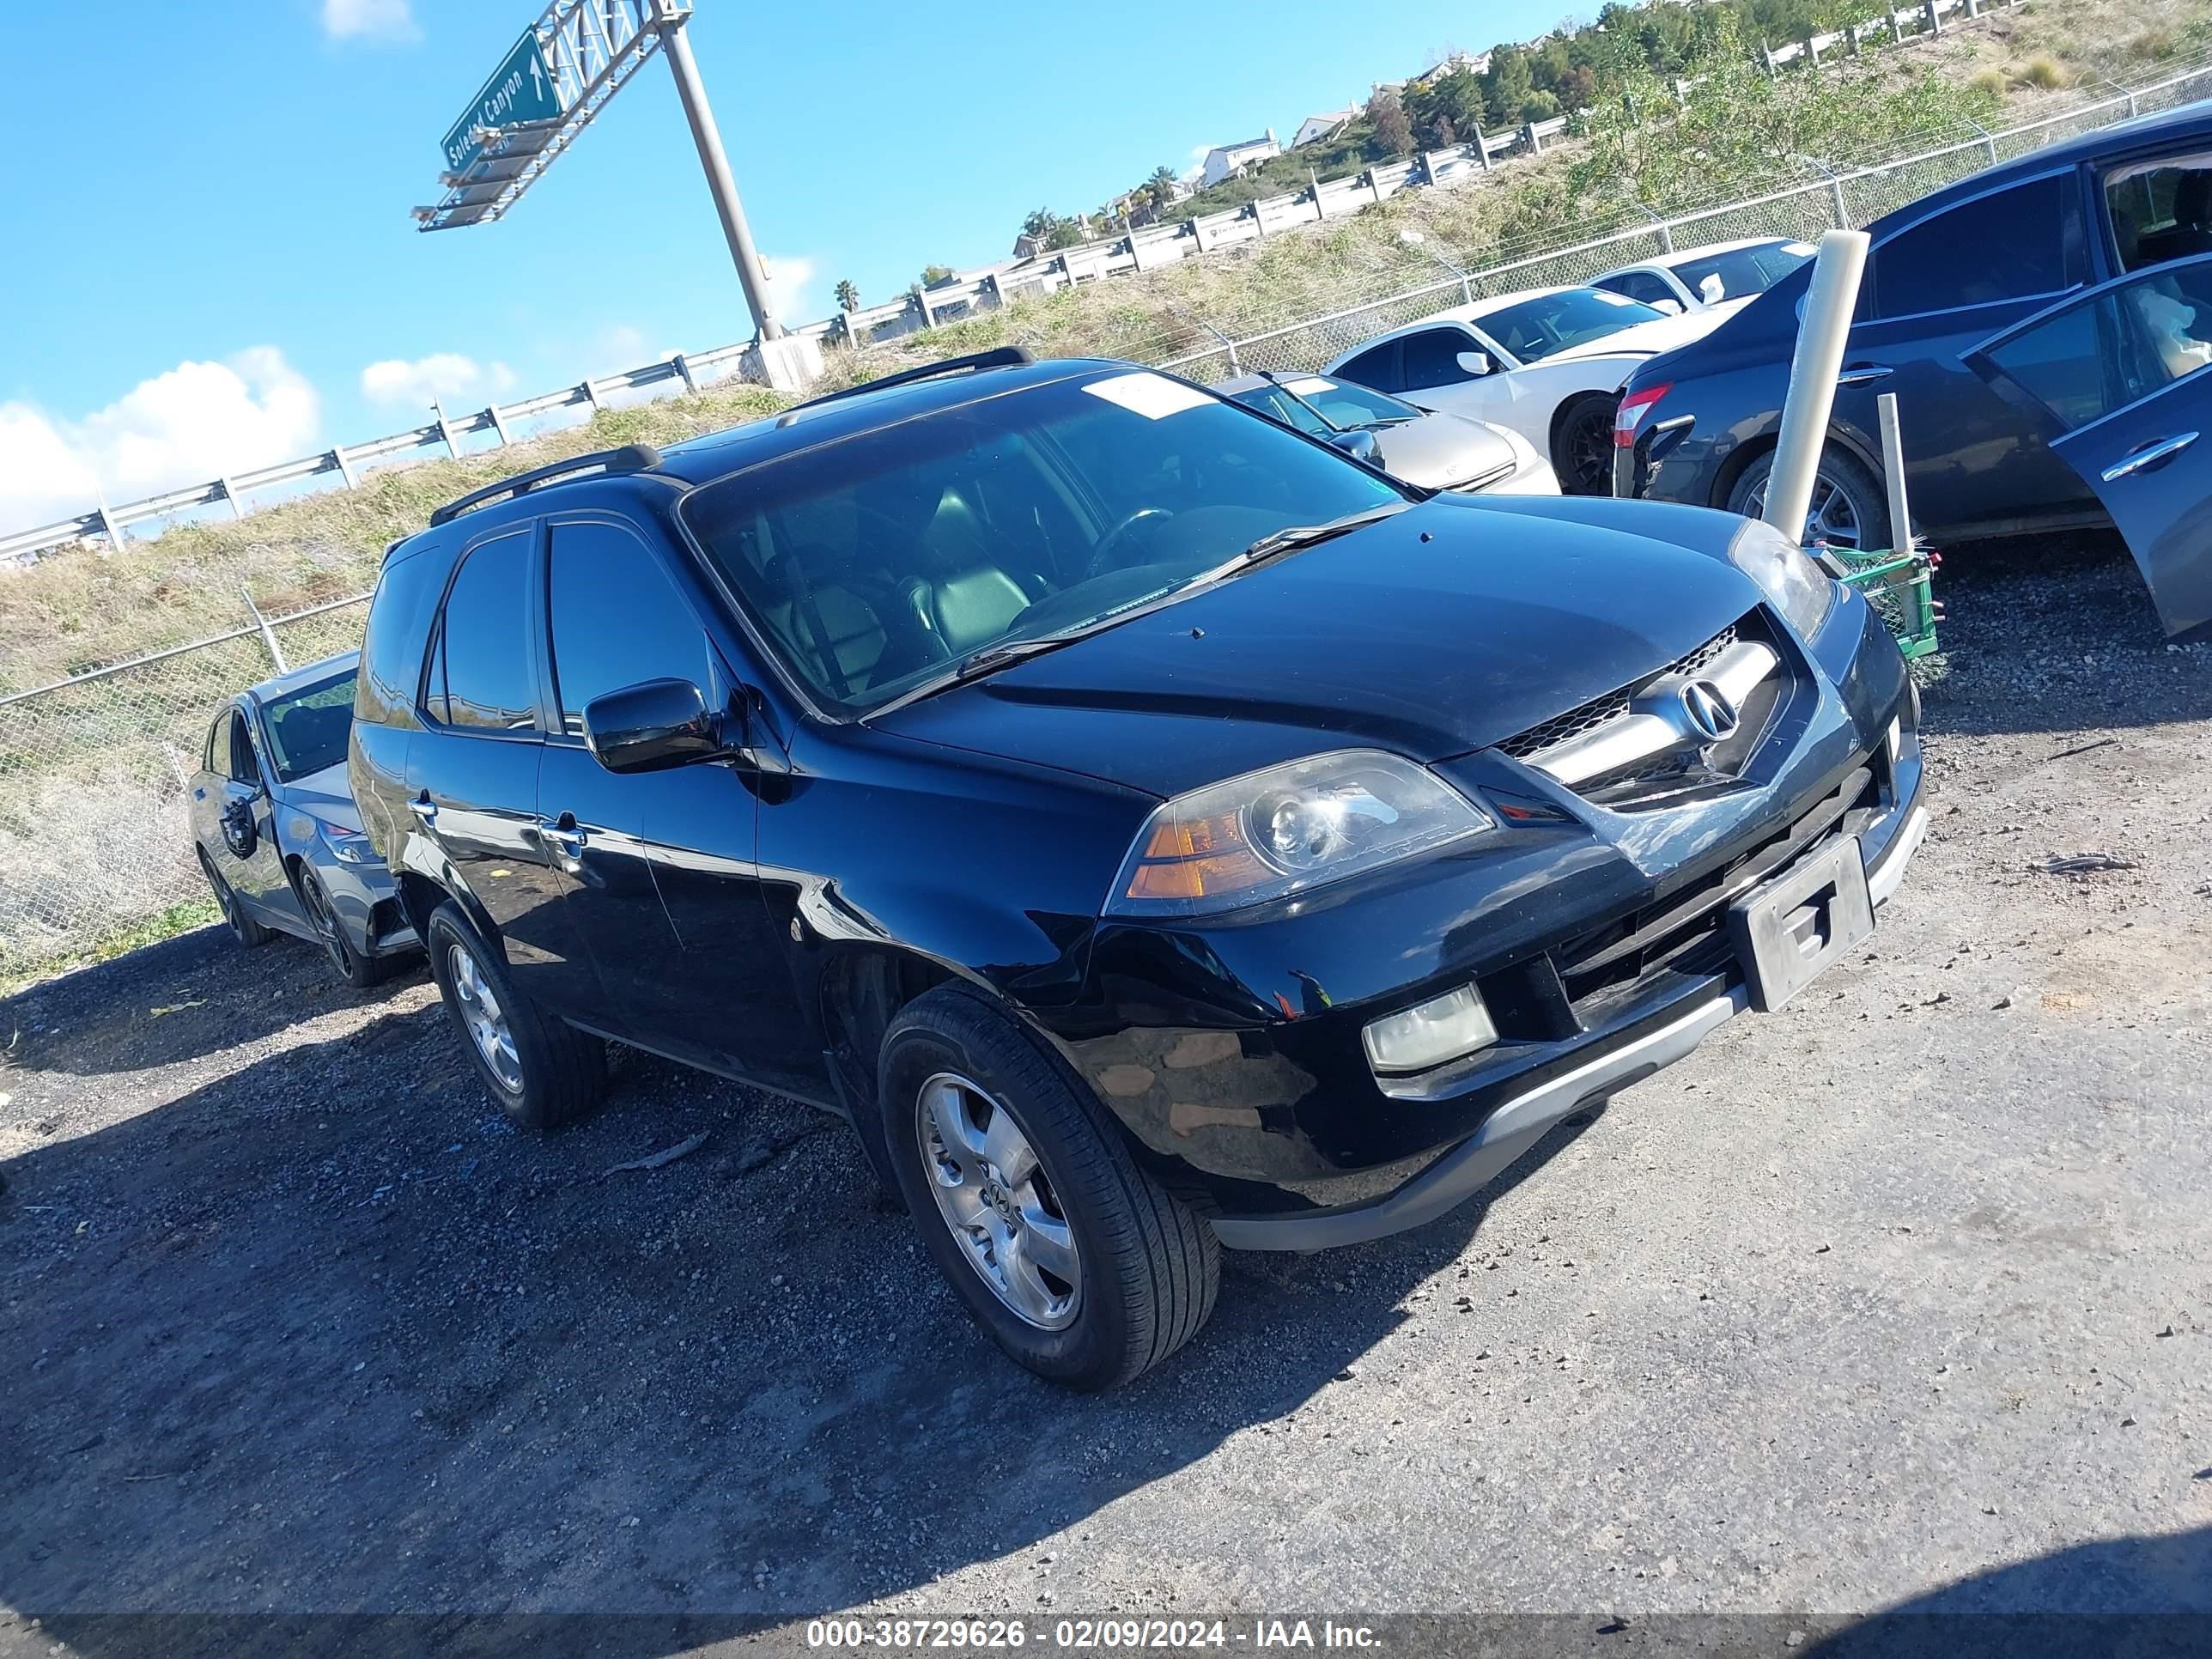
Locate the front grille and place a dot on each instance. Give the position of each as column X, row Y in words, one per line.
column 1685, row 930
column 1598, row 711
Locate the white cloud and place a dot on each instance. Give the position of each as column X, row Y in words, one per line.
column 788, row 280
column 370, row 20
column 195, row 423
column 448, row 374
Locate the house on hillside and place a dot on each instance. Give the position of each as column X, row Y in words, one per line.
column 1314, row 128
column 1474, row 63
column 1227, row 161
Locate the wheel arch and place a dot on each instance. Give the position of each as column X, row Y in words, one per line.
column 420, row 897
column 1741, row 458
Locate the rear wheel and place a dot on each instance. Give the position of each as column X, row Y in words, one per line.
column 1582, row 448
column 359, row 970
column 1069, row 1255
column 243, row 927
column 1849, row 509
column 543, row 1073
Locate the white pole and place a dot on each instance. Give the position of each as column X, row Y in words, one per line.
column 1821, row 333
column 1893, row 470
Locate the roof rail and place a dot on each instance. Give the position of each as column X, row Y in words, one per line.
column 630, row 458
column 1005, row 356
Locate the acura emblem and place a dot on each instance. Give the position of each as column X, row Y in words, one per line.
column 1711, row 714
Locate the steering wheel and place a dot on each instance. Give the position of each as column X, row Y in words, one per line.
column 1100, row 564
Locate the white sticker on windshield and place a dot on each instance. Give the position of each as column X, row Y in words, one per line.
column 1805, row 249
column 1312, row 386
column 1152, row 396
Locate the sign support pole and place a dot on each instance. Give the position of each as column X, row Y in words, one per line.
column 704, row 133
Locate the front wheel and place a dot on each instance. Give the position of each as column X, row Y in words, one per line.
column 1848, row 509
column 1582, row 448
column 354, row 966
column 1070, row 1256
column 543, row 1071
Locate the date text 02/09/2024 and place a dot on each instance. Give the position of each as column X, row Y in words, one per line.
column 1088, row 1635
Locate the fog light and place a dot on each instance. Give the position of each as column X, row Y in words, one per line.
column 1895, row 733
column 1443, row 1028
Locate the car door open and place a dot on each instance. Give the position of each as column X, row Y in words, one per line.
column 2120, row 369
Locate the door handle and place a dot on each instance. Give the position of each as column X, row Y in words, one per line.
column 566, row 835
column 2149, row 455
column 1863, row 375
column 425, row 809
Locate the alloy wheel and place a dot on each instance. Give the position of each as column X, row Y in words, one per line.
column 1833, row 519
column 486, row 1022
column 1590, row 453
column 997, row 1198
column 324, row 919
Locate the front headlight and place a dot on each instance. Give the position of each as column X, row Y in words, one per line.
column 1286, row 829
column 1799, row 588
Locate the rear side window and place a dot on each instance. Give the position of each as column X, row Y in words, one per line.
column 484, row 646
column 1433, row 357
column 399, row 623
column 244, row 768
column 2009, row 245
column 618, row 619
column 1377, row 368
column 217, row 758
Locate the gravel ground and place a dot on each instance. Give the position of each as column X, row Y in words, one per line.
column 1903, row 1295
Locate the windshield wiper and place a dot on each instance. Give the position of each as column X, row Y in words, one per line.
column 978, row 665
column 1305, row 535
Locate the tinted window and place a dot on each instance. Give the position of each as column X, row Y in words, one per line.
column 1534, row 328
column 1641, row 285
column 618, row 619
column 877, row 561
column 307, row 729
column 1433, row 357
column 244, row 768
column 489, row 680
column 2128, row 341
column 1737, row 276
column 2161, row 210
column 1377, row 368
column 1316, row 404
column 398, row 623
column 2007, row 245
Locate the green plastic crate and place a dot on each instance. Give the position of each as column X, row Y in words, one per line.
column 1900, row 586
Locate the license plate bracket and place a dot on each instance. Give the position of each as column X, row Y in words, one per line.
column 1788, row 932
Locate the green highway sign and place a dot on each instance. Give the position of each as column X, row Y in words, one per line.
column 520, row 89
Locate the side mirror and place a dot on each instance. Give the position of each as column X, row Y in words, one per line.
column 1673, row 307
column 1360, row 446
column 1476, row 363
column 651, row 726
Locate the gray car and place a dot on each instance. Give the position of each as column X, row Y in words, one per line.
column 275, row 827
column 1434, row 451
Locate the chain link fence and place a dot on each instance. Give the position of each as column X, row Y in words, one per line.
column 94, row 838
column 94, row 835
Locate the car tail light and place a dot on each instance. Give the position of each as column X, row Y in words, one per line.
column 1632, row 409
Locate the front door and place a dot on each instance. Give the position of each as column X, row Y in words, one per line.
column 2122, row 371
column 661, row 876
column 235, row 820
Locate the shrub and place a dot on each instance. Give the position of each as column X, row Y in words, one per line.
column 2043, row 73
column 1989, row 81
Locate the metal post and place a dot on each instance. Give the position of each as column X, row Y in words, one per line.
column 676, row 46
column 1822, row 334
column 268, row 633
column 498, row 425
column 230, row 494
column 344, row 466
column 108, row 527
column 591, row 394
column 1535, row 144
column 1893, row 470
column 929, row 318
column 1989, row 140
column 446, row 428
column 1665, row 230
column 682, row 364
column 1935, row 18
column 1481, row 150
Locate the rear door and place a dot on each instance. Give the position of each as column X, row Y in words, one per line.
column 1934, row 290
column 472, row 768
column 2120, row 371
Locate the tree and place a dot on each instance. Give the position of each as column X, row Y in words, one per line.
column 933, row 274
column 848, row 297
column 1048, row 230
column 1394, row 133
column 1506, row 86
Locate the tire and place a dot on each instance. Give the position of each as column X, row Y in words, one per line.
column 1851, row 509
column 357, row 969
column 556, row 1074
column 1146, row 1268
column 243, row 927
column 1582, row 447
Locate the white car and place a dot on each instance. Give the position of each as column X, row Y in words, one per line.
column 1435, row 452
column 1692, row 278
column 1547, row 363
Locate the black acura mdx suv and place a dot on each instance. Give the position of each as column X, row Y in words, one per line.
column 1152, row 829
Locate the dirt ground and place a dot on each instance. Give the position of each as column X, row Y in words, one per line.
column 1902, row 1297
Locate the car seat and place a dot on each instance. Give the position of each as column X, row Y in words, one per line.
column 2189, row 232
column 964, row 594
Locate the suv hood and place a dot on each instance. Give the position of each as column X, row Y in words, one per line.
column 1648, row 339
column 1445, row 629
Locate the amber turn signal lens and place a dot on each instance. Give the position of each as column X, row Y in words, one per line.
column 1196, row 858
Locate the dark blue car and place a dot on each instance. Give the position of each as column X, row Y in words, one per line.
column 2042, row 325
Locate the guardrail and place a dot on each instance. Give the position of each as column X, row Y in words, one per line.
column 1145, row 248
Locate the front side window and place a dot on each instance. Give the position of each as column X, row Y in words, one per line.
column 1433, row 357
column 1377, row 367
column 244, row 768
column 2009, row 244
column 1742, row 273
column 1532, row 330
column 217, row 758
column 484, row 646
column 307, row 728
column 2161, row 209
column 1641, row 285
column 618, row 619
column 874, row 561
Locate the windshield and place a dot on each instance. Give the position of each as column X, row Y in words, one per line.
column 307, row 728
column 1533, row 329
column 877, row 562
column 1746, row 271
column 1315, row 403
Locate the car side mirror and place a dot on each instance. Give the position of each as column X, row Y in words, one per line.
column 1360, row 446
column 1476, row 363
column 1672, row 306
column 651, row 726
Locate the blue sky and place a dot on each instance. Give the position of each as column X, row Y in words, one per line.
column 211, row 264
